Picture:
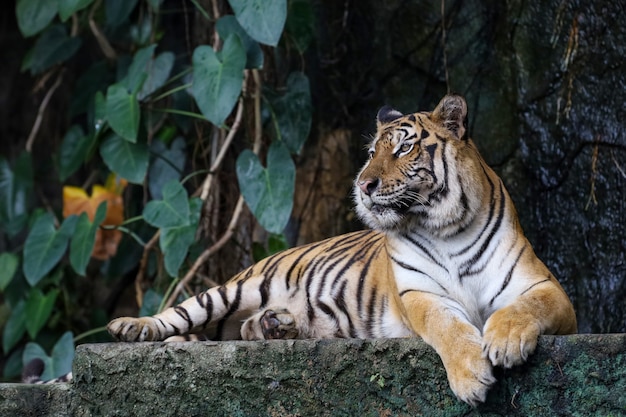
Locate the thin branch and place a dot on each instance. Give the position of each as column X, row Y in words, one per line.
column 206, row 186
column 42, row 110
column 104, row 44
column 142, row 267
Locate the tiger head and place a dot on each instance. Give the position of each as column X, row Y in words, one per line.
column 422, row 171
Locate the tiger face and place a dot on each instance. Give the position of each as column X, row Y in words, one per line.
column 419, row 171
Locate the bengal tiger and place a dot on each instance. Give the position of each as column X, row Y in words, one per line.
column 446, row 260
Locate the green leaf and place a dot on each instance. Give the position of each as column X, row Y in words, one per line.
column 51, row 48
column 263, row 20
column 268, row 192
column 15, row 193
column 8, row 266
column 228, row 25
column 38, row 309
column 138, row 69
column 34, row 15
column 13, row 365
column 84, row 239
column 217, row 78
column 158, row 71
column 151, row 302
column 172, row 210
column 45, row 246
column 73, row 151
column 128, row 160
column 122, row 112
column 175, row 241
column 117, row 12
column 15, row 327
column 167, row 165
column 293, row 112
column 59, row 364
column 68, row 7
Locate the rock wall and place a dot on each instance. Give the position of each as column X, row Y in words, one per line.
column 581, row 375
column 546, row 89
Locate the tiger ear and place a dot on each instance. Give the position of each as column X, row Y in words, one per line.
column 386, row 115
column 451, row 113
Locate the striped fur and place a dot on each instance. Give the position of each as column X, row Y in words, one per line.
column 446, row 260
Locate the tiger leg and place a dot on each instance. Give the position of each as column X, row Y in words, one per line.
column 457, row 342
column 510, row 334
column 192, row 315
column 271, row 323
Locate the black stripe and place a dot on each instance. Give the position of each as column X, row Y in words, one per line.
column 413, row 269
column 340, row 302
column 507, row 279
column 535, row 284
column 467, row 265
column 492, row 208
column 369, row 321
column 425, row 133
column 182, row 312
column 234, row 306
column 362, row 279
column 264, row 290
column 209, row 310
column 425, row 251
column 223, row 292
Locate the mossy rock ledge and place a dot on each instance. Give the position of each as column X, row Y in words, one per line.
column 581, row 375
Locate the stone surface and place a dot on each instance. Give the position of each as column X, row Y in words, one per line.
column 581, row 375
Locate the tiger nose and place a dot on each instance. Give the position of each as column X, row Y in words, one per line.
column 368, row 186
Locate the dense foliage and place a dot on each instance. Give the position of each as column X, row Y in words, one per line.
column 152, row 117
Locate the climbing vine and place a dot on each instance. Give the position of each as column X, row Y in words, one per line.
column 155, row 113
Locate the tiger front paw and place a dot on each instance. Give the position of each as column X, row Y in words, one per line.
column 509, row 337
column 470, row 377
column 132, row 329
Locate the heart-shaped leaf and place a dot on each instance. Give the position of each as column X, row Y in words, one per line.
column 158, row 71
column 138, row 69
column 53, row 47
column 151, row 302
column 45, row 246
column 60, row 361
column 168, row 164
column 263, row 20
column 15, row 193
column 293, row 112
column 84, row 239
column 128, row 160
column 34, row 15
column 15, row 326
column 8, row 266
column 38, row 309
column 172, row 210
column 68, row 7
column 228, row 25
column 217, row 78
column 73, row 151
column 268, row 192
column 122, row 110
column 175, row 241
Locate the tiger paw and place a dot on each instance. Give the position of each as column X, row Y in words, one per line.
column 509, row 337
column 470, row 378
column 270, row 324
column 278, row 324
column 131, row 329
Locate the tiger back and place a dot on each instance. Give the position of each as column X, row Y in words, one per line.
column 446, row 260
